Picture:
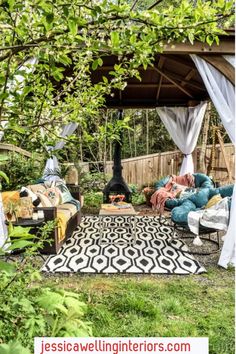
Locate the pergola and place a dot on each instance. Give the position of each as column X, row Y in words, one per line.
column 174, row 80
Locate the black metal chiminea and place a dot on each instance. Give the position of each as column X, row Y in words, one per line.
column 117, row 184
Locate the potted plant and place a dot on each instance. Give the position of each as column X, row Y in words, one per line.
column 148, row 192
column 11, row 210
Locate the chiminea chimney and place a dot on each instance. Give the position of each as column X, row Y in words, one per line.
column 117, row 184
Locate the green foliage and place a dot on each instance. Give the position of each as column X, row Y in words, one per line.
column 21, row 171
column 27, row 309
column 93, row 200
column 137, row 195
column 94, row 182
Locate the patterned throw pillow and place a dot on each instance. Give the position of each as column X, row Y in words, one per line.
column 64, row 192
column 54, row 196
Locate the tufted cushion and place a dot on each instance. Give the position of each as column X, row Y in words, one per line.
column 172, row 203
column 226, row 191
column 213, row 191
column 202, row 181
column 162, row 182
column 200, row 198
column 180, row 214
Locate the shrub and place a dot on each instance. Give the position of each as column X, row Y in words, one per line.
column 28, row 310
column 21, row 171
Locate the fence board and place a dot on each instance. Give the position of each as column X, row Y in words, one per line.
column 144, row 170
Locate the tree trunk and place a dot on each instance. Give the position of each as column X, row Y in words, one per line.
column 202, row 164
column 135, row 146
column 147, row 132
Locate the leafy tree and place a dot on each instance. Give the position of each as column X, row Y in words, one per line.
column 69, row 41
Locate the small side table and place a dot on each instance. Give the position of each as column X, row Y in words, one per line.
column 130, row 213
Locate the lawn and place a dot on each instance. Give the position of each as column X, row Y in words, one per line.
column 159, row 306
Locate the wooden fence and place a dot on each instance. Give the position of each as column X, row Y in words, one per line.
column 144, row 170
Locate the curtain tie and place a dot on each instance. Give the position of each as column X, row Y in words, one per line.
column 185, row 155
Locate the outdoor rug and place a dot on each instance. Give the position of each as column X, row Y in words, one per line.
column 155, row 251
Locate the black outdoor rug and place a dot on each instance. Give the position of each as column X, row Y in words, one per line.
column 155, row 251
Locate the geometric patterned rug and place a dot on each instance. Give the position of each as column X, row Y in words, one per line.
column 155, row 251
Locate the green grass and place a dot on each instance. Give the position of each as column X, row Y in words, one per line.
column 159, row 306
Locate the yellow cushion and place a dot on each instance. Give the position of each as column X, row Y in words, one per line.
column 62, row 223
column 214, row 200
column 68, row 209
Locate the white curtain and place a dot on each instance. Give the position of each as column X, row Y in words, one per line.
column 183, row 125
column 52, row 165
column 222, row 94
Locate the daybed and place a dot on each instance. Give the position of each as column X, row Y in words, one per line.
column 172, row 190
column 56, row 202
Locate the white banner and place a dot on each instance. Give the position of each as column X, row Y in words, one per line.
column 166, row 345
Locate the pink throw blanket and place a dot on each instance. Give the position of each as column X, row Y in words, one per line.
column 175, row 185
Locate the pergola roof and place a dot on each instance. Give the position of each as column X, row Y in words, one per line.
column 174, row 79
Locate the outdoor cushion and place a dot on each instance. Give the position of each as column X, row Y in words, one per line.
column 214, row 200
column 226, row 191
column 200, row 198
column 202, row 181
column 180, row 214
column 64, row 192
column 37, row 188
column 162, row 182
column 172, row 203
column 44, row 200
column 68, row 209
column 53, row 194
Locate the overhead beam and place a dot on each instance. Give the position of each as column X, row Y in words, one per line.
column 174, row 82
column 139, row 103
column 225, row 47
column 180, row 60
column 188, row 77
column 221, row 64
column 180, row 78
column 148, row 85
column 160, row 65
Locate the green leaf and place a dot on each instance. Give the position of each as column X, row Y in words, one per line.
column 100, row 61
column 95, row 64
column 64, row 59
column 13, row 348
column 7, row 267
column 20, row 244
column 50, row 300
column 49, row 17
column 115, row 39
column 72, row 23
column 4, row 176
column 19, row 231
column 16, row 128
column 209, row 39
